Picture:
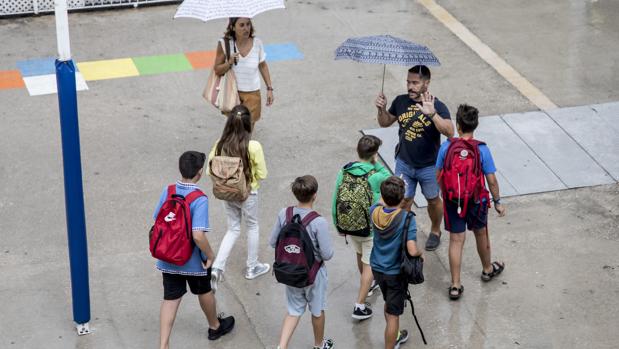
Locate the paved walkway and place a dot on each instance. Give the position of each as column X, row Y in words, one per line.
column 537, row 152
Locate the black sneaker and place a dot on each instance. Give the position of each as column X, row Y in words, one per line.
column 433, row 242
column 373, row 288
column 362, row 314
column 226, row 324
column 402, row 337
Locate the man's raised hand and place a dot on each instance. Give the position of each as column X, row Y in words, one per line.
column 427, row 104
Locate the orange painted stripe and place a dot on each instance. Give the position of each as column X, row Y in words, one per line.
column 11, row 79
column 201, row 59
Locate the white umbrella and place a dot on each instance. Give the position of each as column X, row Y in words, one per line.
column 213, row 9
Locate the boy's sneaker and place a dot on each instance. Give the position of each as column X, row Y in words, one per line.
column 362, row 314
column 259, row 269
column 326, row 344
column 402, row 337
column 217, row 275
column 433, row 242
column 226, row 324
column 373, row 288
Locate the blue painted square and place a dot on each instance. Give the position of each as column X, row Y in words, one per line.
column 282, row 52
column 39, row 66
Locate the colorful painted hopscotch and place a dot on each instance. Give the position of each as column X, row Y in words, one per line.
column 38, row 75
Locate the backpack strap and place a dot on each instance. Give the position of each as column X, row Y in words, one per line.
column 289, row 212
column 309, row 218
column 191, row 197
column 410, row 300
column 171, row 190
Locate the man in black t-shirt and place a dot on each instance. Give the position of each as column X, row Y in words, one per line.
column 422, row 119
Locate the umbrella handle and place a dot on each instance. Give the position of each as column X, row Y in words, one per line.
column 383, row 85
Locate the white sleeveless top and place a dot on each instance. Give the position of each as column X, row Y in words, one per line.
column 246, row 69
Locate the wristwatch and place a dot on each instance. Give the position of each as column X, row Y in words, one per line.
column 270, row 88
column 497, row 201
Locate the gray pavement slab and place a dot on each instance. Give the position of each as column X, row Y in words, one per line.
column 597, row 136
column 517, row 163
column 557, row 150
column 609, row 112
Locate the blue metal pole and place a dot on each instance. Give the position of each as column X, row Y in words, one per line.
column 74, row 192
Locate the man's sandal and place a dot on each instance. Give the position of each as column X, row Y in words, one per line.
column 497, row 268
column 455, row 293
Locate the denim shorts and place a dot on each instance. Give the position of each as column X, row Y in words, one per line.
column 314, row 296
column 425, row 176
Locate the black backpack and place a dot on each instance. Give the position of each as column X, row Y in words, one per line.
column 295, row 264
column 411, row 268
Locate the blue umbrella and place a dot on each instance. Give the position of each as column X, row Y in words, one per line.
column 385, row 49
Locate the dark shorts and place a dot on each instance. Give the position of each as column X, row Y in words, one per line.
column 393, row 288
column 175, row 285
column 476, row 217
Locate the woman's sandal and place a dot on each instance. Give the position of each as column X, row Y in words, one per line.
column 497, row 268
column 455, row 293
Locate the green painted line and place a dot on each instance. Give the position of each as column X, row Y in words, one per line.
column 150, row 65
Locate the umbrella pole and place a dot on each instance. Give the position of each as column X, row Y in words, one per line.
column 383, row 85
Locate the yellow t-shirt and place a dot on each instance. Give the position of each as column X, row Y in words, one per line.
column 256, row 158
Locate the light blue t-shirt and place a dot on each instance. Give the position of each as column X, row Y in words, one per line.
column 199, row 222
column 487, row 163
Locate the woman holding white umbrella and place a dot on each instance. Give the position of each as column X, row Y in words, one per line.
column 247, row 60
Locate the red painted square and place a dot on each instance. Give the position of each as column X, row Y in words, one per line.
column 201, row 59
column 11, row 79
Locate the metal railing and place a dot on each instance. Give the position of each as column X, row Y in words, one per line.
column 24, row 7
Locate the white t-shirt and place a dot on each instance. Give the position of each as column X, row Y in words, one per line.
column 246, row 69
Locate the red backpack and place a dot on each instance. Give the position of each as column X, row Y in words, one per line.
column 170, row 237
column 462, row 178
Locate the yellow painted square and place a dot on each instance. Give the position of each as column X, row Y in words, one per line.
column 108, row 69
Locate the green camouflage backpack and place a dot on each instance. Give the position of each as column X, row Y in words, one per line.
column 353, row 201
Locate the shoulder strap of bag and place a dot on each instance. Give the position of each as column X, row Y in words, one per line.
column 171, row 190
column 191, row 197
column 407, row 223
column 289, row 212
column 309, row 218
column 226, row 47
column 410, row 300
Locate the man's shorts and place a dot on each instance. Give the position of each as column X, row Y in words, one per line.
column 175, row 285
column 425, row 176
column 314, row 296
column 393, row 288
column 476, row 217
column 363, row 246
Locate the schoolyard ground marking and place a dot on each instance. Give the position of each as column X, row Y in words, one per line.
column 510, row 74
column 38, row 75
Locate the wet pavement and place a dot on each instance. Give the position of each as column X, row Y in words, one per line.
column 559, row 289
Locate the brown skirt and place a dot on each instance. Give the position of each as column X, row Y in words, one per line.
column 253, row 102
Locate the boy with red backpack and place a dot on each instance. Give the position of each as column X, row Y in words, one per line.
column 178, row 240
column 302, row 243
column 463, row 166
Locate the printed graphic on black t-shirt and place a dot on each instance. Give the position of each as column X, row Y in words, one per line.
column 419, row 138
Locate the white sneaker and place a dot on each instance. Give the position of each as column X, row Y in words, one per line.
column 217, row 275
column 259, row 269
